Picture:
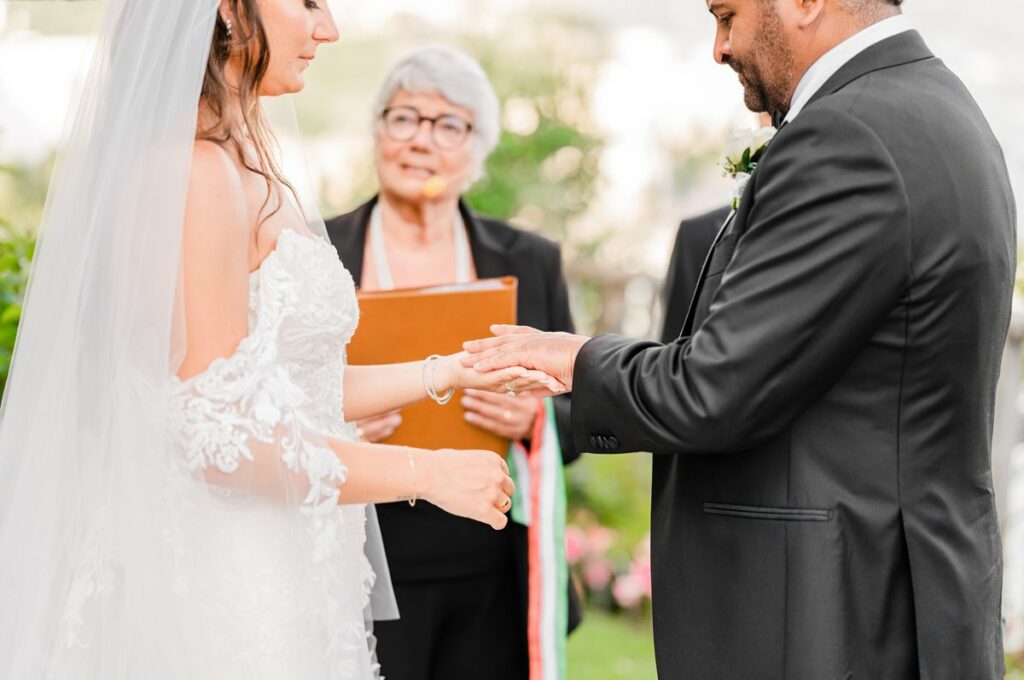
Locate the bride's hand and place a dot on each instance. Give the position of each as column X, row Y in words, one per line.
column 471, row 484
column 452, row 371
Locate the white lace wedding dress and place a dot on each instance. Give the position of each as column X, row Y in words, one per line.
column 273, row 572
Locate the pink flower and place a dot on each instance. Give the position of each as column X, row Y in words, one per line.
column 575, row 544
column 599, row 540
column 628, row 591
column 644, row 548
column 641, row 571
column 597, row 574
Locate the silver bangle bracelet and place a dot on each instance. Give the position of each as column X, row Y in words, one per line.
column 428, row 381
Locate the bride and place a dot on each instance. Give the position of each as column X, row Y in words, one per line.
column 181, row 495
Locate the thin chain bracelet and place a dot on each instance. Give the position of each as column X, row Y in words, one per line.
column 412, row 467
column 428, row 381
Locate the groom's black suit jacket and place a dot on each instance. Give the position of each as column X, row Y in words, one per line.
column 822, row 495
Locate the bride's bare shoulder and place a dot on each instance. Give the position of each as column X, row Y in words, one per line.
column 217, row 203
column 213, row 166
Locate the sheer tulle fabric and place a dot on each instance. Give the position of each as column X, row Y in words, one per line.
column 153, row 528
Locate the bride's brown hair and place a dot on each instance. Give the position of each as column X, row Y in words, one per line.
column 247, row 40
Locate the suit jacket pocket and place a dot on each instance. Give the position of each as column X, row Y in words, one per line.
column 722, row 255
column 769, row 594
column 768, row 513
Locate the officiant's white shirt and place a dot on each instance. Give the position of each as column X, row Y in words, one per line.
column 833, row 60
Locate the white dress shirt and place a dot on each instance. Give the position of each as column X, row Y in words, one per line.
column 833, row 60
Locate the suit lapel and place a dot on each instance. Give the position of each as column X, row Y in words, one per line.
column 350, row 241
column 490, row 257
column 691, row 311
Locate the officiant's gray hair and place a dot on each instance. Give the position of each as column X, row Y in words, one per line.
column 458, row 78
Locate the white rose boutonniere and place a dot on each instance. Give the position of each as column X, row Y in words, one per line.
column 741, row 157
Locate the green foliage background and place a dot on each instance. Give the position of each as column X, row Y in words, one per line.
column 15, row 254
column 16, row 248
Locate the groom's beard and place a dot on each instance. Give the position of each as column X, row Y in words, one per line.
column 767, row 71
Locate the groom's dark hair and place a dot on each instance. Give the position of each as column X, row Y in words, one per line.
column 873, row 10
column 865, row 5
column 867, row 8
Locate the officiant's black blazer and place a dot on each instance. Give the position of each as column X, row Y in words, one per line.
column 822, row 494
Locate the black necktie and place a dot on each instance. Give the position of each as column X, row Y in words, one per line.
column 777, row 118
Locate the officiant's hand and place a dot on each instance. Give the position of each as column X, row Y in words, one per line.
column 509, row 417
column 551, row 353
column 378, row 428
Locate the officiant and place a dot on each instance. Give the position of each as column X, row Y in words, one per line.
column 463, row 590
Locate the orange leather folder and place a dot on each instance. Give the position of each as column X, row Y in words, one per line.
column 409, row 325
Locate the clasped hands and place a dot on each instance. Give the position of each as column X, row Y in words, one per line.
column 501, row 376
column 536, row 363
column 517, row 361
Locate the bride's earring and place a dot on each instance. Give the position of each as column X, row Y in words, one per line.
column 227, row 22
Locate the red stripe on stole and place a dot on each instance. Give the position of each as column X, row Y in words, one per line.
column 535, row 578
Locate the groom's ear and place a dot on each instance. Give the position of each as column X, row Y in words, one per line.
column 813, row 10
column 802, row 14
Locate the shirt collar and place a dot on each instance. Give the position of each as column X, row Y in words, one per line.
column 829, row 63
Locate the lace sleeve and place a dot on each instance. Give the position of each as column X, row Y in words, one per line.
column 240, row 426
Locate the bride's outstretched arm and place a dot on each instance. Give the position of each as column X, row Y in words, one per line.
column 373, row 390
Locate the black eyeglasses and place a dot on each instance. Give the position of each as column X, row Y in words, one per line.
column 403, row 122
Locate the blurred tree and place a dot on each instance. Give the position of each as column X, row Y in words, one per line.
column 23, row 194
column 539, row 180
column 545, row 171
column 15, row 255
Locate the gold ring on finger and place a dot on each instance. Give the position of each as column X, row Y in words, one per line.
column 506, row 504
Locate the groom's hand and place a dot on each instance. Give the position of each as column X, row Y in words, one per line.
column 551, row 353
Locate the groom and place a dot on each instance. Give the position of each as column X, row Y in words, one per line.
column 822, row 501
